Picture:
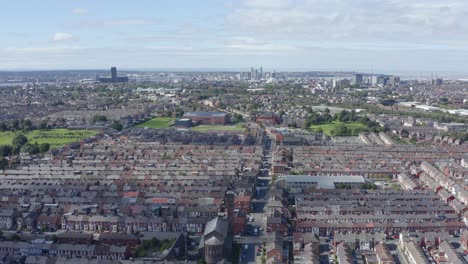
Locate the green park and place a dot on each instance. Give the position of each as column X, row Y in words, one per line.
column 337, row 128
column 158, row 122
column 55, row 137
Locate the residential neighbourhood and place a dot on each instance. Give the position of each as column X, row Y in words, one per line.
column 301, row 172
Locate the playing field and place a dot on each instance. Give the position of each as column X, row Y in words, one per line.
column 55, row 137
column 207, row 128
column 328, row 127
column 158, row 122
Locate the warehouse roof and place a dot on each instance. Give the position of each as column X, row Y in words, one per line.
column 323, row 182
column 207, row 114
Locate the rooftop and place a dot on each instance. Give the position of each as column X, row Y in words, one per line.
column 207, row 114
column 323, row 182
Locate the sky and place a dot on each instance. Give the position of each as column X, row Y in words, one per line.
column 357, row 35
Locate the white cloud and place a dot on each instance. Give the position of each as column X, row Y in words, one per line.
column 267, row 3
column 129, row 22
column 79, row 11
column 179, row 56
column 351, row 20
column 252, row 44
column 117, row 22
column 63, row 37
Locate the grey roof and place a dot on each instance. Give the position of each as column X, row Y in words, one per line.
column 74, row 235
column 207, row 114
column 214, row 241
column 323, row 182
column 218, row 225
column 267, row 114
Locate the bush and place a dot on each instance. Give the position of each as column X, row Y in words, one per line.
column 5, row 150
column 20, row 140
column 3, row 163
column 117, row 126
column 44, row 147
column 32, row 149
column 99, row 118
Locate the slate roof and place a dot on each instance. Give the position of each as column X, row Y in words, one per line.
column 206, row 114
column 218, row 225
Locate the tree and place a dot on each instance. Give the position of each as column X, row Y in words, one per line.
column 43, row 125
column 15, row 124
column 319, row 130
column 99, row 118
column 327, row 110
column 3, row 163
column 32, row 149
column 404, row 133
column 342, row 130
column 15, row 237
column 117, row 126
column 15, row 150
column 20, row 140
column 237, row 118
column 26, row 124
column 3, row 126
column 44, row 147
column 5, row 150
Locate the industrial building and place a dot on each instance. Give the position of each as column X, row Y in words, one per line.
column 208, row 118
column 296, row 183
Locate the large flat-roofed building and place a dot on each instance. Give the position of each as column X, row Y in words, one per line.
column 208, row 118
column 183, row 122
column 269, row 119
column 297, row 183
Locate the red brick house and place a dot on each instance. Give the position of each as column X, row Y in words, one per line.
column 240, row 223
column 48, row 222
column 242, row 202
column 129, row 240
column 464, row 239
column 268, row 119
column 277, row 224
column 74, row 238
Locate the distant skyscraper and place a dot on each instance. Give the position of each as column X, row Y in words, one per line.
column 114, row 78
column 273, row 75
column 261, row 72
column 357, row 79
column 113, row 74
column 437, row 82
column 394, row 81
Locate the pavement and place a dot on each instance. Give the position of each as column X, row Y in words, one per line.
column 250, row 243
column 394, row 248
column 248, row 255
column 324, row 250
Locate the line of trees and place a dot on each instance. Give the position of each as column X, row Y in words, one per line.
column 22, row 124
column 344, row 116
column 20, row 144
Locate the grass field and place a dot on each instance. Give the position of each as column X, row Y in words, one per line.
column 55, row 137
column 206, row 128
column 158, row 122
column 328, row 127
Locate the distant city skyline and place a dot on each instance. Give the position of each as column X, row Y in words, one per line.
column 339, row 35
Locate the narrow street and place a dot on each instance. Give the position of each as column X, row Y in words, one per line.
column 251, row 244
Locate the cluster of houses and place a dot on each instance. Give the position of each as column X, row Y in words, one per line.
column 452, row 189
column 429, row 247
column 127, row 185
column 358, row 159
column 325, row 212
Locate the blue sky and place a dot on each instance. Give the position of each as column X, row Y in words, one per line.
column 361, row 35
